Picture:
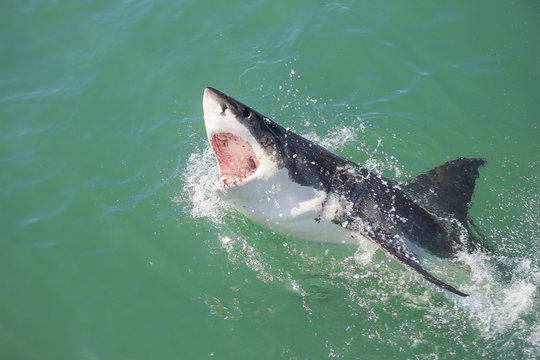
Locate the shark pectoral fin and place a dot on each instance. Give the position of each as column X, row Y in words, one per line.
column 397, row 249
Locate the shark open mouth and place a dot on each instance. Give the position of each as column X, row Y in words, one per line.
column 235, row 157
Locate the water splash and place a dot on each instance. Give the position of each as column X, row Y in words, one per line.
column 497, row 303
column 197, row 177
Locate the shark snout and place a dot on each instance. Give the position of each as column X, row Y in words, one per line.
column 218, row 102
column 214, row 102
column 223, row 114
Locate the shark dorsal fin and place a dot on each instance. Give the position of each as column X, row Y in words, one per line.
column 448, row 188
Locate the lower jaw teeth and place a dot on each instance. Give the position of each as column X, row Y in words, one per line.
column 227, row 180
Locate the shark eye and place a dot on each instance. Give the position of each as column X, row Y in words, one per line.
column 223, row 108
column 245, row 113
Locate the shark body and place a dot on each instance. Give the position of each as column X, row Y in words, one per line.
column 289, row 184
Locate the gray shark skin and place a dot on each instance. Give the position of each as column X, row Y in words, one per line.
column 430, row 211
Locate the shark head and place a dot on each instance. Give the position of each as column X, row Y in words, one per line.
column 248, row 145
column 231, row 128
column 270, row 174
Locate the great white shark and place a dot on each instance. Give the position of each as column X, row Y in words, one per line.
column 293, row 186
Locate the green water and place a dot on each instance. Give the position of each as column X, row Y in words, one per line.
column 112, row 246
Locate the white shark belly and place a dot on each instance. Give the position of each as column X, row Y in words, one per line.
column 287, row 208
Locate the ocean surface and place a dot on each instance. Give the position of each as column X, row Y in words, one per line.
column 113, row 246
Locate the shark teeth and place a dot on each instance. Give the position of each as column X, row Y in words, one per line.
column 226, row 181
